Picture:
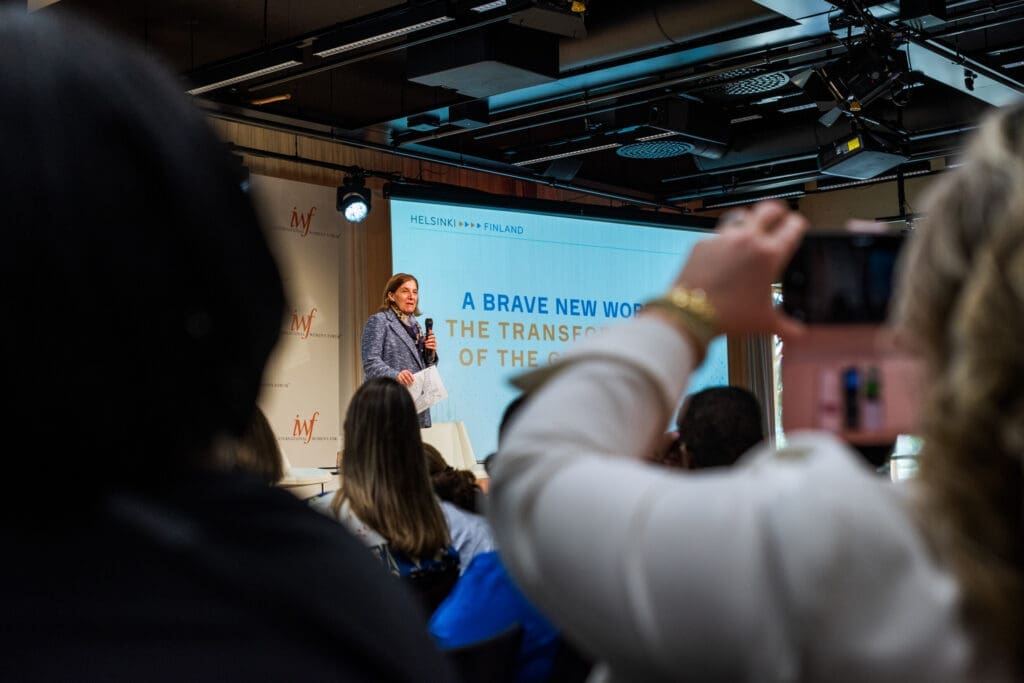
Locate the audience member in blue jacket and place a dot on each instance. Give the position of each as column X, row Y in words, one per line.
column 394, row 345
column 484, row 603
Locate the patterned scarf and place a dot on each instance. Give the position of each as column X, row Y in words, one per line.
column 413, row 328
column 401, row 316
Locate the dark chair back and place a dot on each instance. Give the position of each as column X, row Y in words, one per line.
column 433, row 587
column 492, row 660
column 570, row 664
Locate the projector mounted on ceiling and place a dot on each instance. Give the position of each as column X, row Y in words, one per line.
column 858, row 156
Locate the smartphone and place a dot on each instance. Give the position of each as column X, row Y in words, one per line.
column 848, row 374
column 841, row 278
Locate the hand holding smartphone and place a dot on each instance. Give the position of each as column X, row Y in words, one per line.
column 849, row 374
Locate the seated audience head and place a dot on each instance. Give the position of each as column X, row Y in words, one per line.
column 458, row 487
column 257, row 450
column 435, row 461
column 716, row 426
column 384, row 472
column 960, row 301
column 131, row 254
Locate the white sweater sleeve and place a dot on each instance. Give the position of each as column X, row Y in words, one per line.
column 614, row 549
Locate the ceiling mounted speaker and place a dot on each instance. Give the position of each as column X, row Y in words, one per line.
column 741, row 82
column 672, row 126
column 655, row 149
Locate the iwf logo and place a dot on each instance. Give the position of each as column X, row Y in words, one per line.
column 305, row 427
column 302, row 221
column 303, row 323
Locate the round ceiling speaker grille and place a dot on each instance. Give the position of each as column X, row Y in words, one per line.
column 733, row 75
column 752, row 85
column 655, row 149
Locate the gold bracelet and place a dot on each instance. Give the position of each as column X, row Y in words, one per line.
column 691, row 309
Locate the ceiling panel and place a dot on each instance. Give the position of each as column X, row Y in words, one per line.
column 664, row 103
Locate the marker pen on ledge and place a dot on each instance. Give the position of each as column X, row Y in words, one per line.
column 851, row 392
column 871, row 420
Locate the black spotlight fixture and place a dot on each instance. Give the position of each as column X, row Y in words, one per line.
column 869, row 71
column 354, row 198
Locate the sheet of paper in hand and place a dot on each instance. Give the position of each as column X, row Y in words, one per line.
column 427, row 388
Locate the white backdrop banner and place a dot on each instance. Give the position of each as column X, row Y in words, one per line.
column 300, row 393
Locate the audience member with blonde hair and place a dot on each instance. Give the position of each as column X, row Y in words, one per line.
column 800, row 564
column 385, row 497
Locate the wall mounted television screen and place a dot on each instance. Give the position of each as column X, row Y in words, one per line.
column 511, row 283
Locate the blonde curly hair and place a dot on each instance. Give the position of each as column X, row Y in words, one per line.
column 962, row 299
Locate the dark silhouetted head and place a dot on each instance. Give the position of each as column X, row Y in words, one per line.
column 141, row 298
column 718, row 425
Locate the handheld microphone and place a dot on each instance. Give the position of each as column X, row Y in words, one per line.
column 429, row 323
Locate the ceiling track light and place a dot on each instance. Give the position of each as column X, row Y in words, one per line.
column 798, row 107
column 488, row 6
column 223, row 75
column 270, row 100
column 346, row 40
column 659, row 136
column 564, row 155
column 354, row 198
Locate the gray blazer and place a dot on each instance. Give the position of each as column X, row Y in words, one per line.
column 388, row 349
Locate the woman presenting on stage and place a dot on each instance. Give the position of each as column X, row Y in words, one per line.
column 394, row 345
